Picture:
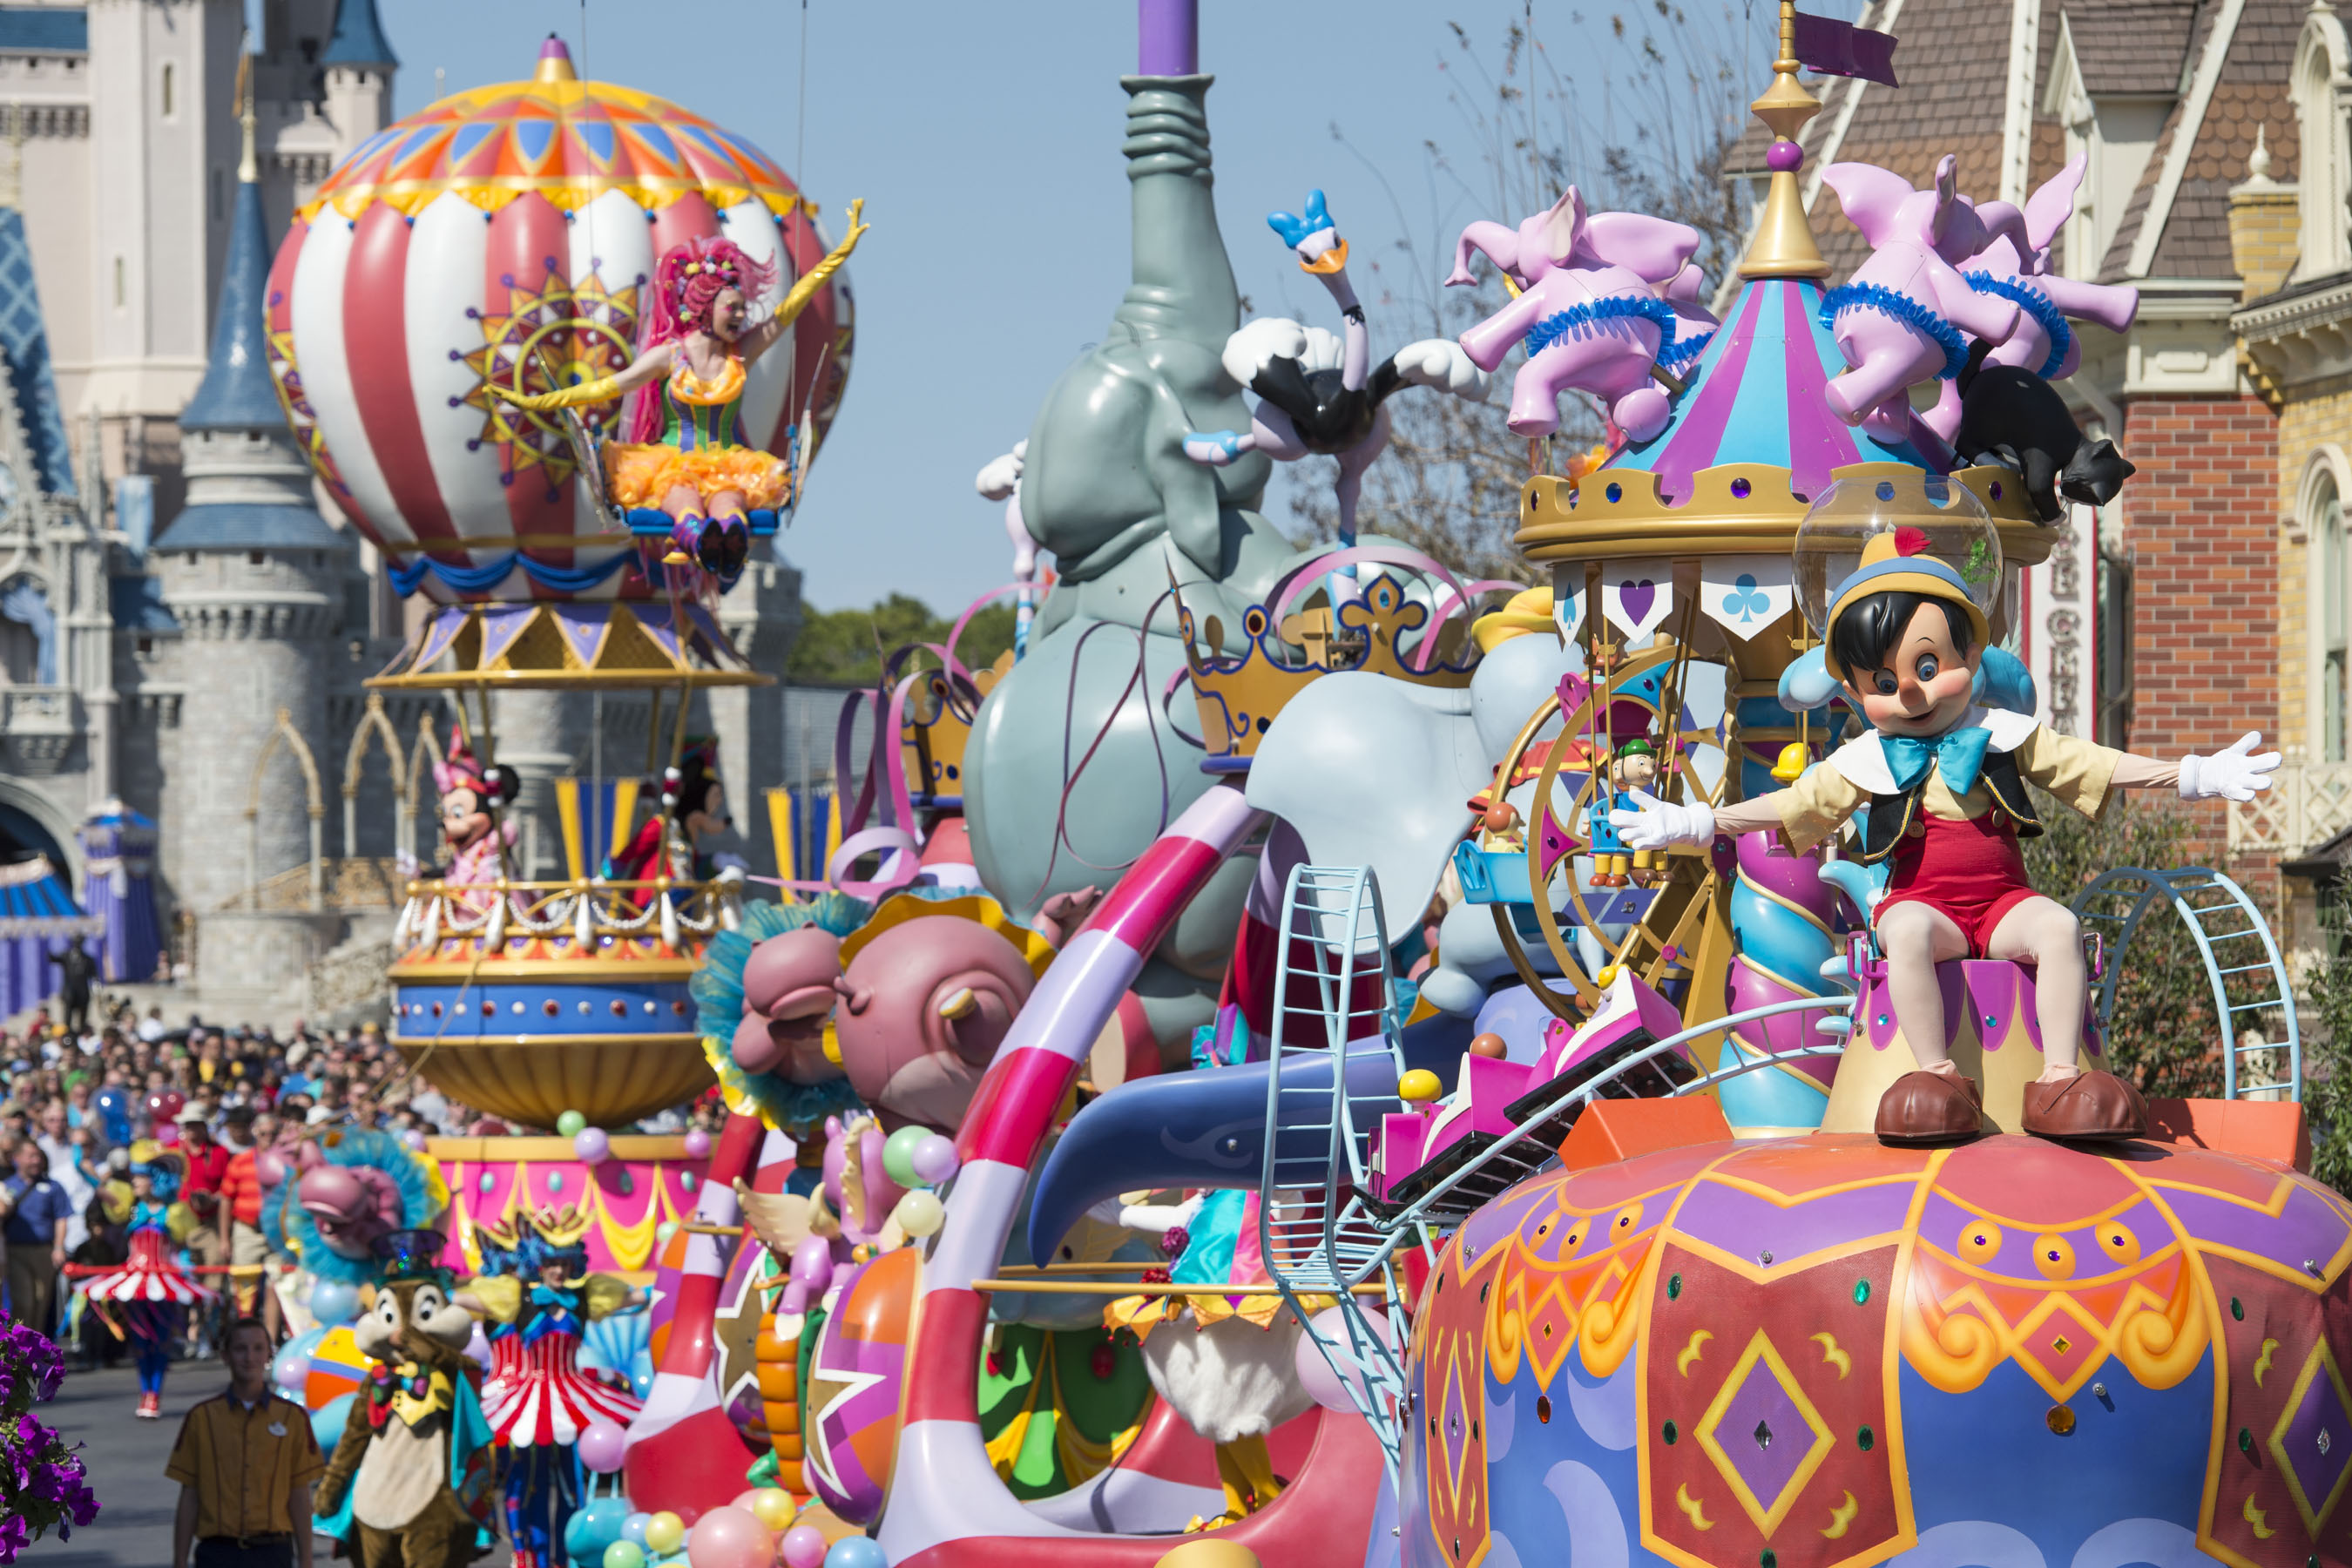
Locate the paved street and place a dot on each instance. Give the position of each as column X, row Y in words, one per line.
column 126, row 1467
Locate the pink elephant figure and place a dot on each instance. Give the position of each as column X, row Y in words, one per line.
column 1589, row 310
column 2015, row 266
column 817, row 1237
column 923, row 1005
column 1900, row 318
column 788, row 998
column 351, row 1204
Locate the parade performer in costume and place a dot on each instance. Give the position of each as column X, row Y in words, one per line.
column 471, row 795
column 537, row 1398
column 694, row 800
column 153, row 1290
column 1945, row 780
column 409, row 1483
column 686, row 453
column 1225, row 1363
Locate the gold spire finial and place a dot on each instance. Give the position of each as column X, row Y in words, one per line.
column 1783, row 246
column 249, row 167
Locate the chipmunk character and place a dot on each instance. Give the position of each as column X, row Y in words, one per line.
column 1944, row 784
column 409, row 1484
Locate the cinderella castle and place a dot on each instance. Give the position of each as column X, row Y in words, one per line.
column 185, row 624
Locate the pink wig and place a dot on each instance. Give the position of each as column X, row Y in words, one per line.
column 688, row 279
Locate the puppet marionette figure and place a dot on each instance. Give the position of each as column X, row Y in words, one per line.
column 153, row 1292
column 1941, row 784
column 685, row 454
column 693, row 811
column 540, row 1298
column 1632, row 766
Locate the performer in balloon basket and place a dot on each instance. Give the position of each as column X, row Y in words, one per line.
column 686, row 454
column 693, row 811
column 540, row 1298
column 152, row 1291
column 1942, row 784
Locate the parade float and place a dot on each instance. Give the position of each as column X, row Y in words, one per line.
column 1189, row 1208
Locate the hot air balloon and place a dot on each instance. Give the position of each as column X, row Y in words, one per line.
column 508, row 234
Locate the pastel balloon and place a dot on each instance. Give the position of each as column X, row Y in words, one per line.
column 934, row 1159
column 1316, row 1374
column 899, row 1154
column 289, row 1369
column 570, row 1123
column 698, row 1144
column 591, row 1145
column 332, row 1301
column 602, row 1446
column 919, row 1212
column 624, row 1553
column 633, row 1527
column 413, row 1137
column 730, row 1537
column 855, row 1551
column 804, row 1546
column 772, row 1506
column 665, row 1534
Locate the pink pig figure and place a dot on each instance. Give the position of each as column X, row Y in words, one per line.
column 1589, row 310
column 2015, row 266
column 1900, row 317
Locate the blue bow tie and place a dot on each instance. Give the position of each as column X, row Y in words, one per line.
column 549, row 1296
column 1960, row 753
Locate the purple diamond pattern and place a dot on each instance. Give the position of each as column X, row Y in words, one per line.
column 1759, row 1433
column 2313, row 1440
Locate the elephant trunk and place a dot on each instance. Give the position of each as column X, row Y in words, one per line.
column 1209, row 1129
column 1497, row 243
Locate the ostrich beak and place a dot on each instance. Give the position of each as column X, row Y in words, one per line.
column 961, row 1005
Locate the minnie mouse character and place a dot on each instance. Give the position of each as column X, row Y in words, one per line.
column 696, row 802
column 471, row 798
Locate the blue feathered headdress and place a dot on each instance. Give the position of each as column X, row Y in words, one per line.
column 420, row 1202
column 718, row 992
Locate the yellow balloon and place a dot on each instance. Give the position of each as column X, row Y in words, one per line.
column 1420, row 1085
column 919, row 1212
column 665, row 1534
column 772, row 1505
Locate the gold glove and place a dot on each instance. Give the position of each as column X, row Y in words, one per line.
column 604, row 389
column 805, row 289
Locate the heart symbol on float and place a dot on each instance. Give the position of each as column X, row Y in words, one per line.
column 1637, row 597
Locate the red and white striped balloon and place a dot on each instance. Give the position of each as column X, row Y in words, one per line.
column 508, row 232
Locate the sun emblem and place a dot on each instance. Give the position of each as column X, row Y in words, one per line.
column 561, row 335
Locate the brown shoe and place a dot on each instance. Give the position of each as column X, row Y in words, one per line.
column 2090, row 1105
column 1930, row 1108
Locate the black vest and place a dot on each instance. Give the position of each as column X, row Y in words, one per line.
column 1890, row 816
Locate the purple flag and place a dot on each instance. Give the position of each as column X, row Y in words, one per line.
column 1840, row 49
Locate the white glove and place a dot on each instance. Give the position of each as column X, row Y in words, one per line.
column 1657, row 824
column 2234, row 774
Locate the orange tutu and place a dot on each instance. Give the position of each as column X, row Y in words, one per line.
column 640, row 476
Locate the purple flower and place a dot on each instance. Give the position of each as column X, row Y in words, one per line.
column 15, row 1536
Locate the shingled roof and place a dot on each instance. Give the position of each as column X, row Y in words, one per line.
column 1954, row 64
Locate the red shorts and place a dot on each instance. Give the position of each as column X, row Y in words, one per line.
column 1970, row 871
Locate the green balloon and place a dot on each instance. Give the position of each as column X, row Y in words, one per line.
column 571, row 1123
column 625, row 1555
column 898, row 1155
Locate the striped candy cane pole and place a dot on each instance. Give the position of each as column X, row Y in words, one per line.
column 942, row 1488
column 684, row 1455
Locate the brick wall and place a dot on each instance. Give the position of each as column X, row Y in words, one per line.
column 2203, row 532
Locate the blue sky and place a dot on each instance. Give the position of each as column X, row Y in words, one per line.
column 985, row 141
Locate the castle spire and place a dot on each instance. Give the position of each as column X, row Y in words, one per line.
column 358, row 38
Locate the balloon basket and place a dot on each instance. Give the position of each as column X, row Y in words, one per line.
column 613, row 644
column 643, row 1184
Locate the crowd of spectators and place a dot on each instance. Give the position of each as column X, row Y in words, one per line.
column 74, row 1107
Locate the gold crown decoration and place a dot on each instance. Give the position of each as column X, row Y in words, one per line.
column 940, row 713
column 1736, row 508
column 1239, row 695
column 566, row 1226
